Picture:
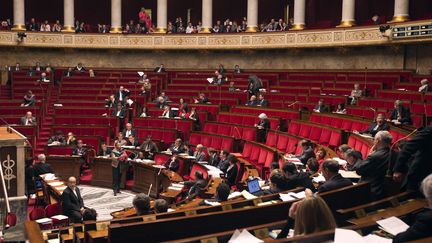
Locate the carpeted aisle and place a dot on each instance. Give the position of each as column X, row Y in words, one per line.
column 104, row 201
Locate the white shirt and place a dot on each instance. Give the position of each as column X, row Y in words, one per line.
column 128, row 132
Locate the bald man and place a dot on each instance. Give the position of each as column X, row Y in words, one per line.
column 72, row 202
column 28, row 119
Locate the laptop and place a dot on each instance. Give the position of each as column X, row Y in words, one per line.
column 253, row 186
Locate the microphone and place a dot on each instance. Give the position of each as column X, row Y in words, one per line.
column 293, row 103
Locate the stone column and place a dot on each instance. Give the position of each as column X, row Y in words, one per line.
column 252, row 16
column 116, row 9
column 207, row 16
column 69, row 15
column 18, row 14
column 299, row 14
column 401, row 11
column 348, row 13
column 162, row 7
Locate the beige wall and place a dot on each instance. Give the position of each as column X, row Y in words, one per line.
column 384, row 57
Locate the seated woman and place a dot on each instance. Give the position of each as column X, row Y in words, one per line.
column 182, row 105
column 183, row 114
column 311, row 215
column 193, row 115
column 29, row 99
column 320, row 155
column 231, row 173
column 340, row 109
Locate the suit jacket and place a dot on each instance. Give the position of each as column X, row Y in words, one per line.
column 223, row 165
column 404, row 113
column 135, row 143
column 29, row 101
column 160, row 105
column 231, row 174
column 200, row 156
column 122, row 113
column 149, row 147
column 251, row 103
column 335, row 182
column 124, row 94
column 265, row 124
column 373, row 170
column 262, row 103
column 300, row 179
column 71, row 202
column 414, row 159
column 195, row 186
column 67, row 73
column 322, row 108
column 133, row 132
column 306, row 155
column 105, row 153
column 32, row 121
column 372, row 131
column 203, row 100
column 175, row 150
column 78, row 151
column 162, row 70
column 214, row 161
column 55, row 138
column 420, row 229
column 41, row 168
column 172, row 165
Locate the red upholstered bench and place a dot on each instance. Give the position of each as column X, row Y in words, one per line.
column 245, row 120
column 259, row 155
column 217, row 142
column 321, row 134
column 360, row 143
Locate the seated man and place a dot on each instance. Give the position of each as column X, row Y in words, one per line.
column 160, row 102
column 196, row 186
column 57, row 139
column 160, row 69
column 353, row 158
column 424, row 86
column 29, row 99
column 89, row 214
column 80, row 68
column 44, row 78
column 307, row 151
column 261, row 101
column 199, row 153
column 374, row 168
column 173, row 163
column 420, row 228
column 42, row 167
column 121, row 94
column 400, row 114
column 277, row 184
column 334, row 180
column 252, row 101
column 160, row 206
column 149, row 147
column 202, row 99
column 177, row 147
column 221, row 195
column 374, row 128
column 356, row 94
column 167, row 112
column 141, row 203
column 80, row 150
column 213, row 158
column 321, row 107
column 295, row 178
column 72, row 202
column 28, row 119
column 223, row 161
column 129, row 131
column 132, row 141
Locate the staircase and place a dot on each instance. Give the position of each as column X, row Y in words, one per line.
column 5, row 92
column 47, row 120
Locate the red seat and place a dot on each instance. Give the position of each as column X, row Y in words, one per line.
column 292, row 145
column 161, row 159
column 304, row 131
column 195, row 139
column 254, row 155
column 282, row 142
column 227, row 144
column 335, row 139
column 53, row 209
column 262, row 156
column 247, row 150
column 216, row 143
column 195, row 168
column 248, row 134
column 315, row 133
column 224, row 130
column 11, row 219
column 206, row 140
column 271, row 139
column 325, row 137
column 37, row 213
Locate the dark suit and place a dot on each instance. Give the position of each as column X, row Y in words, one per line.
column 203, row 100
column 196, row 186
column 105, row 153
column 262, row 103
column 150, row 148
column 67, row 73
column 405, row 115
column 213, row 160
column 373, row 170
column 223, row 165
column 420, row 229
column 306, row 155
column 135, row 143
column 251, row 103
column 231, row 174
column 72, row 204
column 300, row 179
column 29, row 101
column 122, row 113
column 132, row 132
column 124, row 93
column 415, row 159
column 32, row 121
column 176, row 150
column 159, row 70
column 160, row 105
column 262, row 132
column 41, row 168
column 321, row 108
column 200, row 156
column 172, row 165
column 56, row 139
column 238, row 70
column 335, row 182
column 80, row 151
column 80, row 70
column 372, row 131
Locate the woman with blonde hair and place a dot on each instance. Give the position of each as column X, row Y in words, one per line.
column 310, row 215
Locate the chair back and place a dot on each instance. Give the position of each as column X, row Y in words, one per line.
column 37, row 213
column 11, row 220
column 53, row 209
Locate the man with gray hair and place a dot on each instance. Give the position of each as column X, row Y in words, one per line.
column 41, row 167
column 141, row 203
column 373, row 169
column 421, row 228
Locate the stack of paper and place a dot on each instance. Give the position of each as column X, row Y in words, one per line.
column 247, row 195
column 212, row 203
column 349, row 174
column 159, row 166
column 345, row 235
column 56, row 183
column 292, row 196
column 44, row 221
column 340, row 161
column 234, row 194
column 319, row 178
column 243, row 237
column 393, row 225
column 59, row 217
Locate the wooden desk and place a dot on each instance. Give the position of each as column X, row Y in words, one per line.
column 404, row 209
column 159, row 179
column 95, row 236
column 102, row 173
column 65, row 166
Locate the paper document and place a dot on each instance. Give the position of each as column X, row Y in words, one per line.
column 234, row 194
column 57, row 183
column 244, row 236
column 247, row 195
column 393, row 225
column 340, row 161
column 351, row 236
column 44, row 221
column 318, row 179
column 140, row 73
column 210, row 80
column 59, row 217
column 212, row 203
column 349, row 174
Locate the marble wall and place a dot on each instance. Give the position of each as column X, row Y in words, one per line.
column 416, row 57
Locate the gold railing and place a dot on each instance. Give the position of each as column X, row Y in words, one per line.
column 336, row 37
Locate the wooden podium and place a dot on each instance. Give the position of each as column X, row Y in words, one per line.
column 65, row 166
column 12, row 153
column 102, row 173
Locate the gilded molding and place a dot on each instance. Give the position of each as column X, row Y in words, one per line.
column 336, row 37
